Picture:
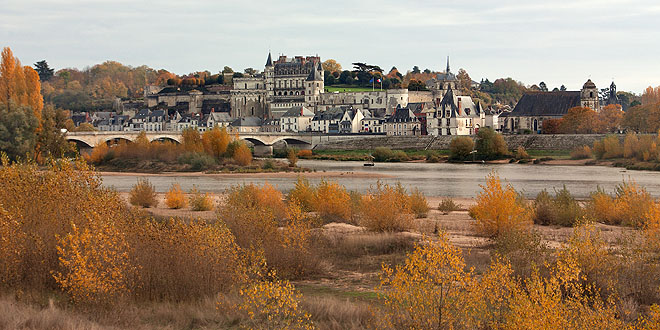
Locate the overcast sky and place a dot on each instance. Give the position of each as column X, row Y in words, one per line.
column 559, row 42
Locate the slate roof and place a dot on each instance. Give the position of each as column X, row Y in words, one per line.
column 467, row 106
column 247, row 121
column 330, row 114
column 315, row 75
column 402, row 116
column 545, row 104
column 298, row 112
column 269, row 61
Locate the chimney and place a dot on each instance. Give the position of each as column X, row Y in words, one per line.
column 460, row 109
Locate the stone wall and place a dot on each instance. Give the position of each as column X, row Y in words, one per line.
column 530, row 142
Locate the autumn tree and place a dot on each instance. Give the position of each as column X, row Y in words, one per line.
column 215, row 141
column 610, row 118
column 17, row 130
column 651, row 95
column 331, row 65
column 464, row 80
column 490, row 144
column 642, row 118
column 551, row 126
column 579, row 120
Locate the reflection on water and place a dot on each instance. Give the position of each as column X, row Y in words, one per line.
column 454, row 180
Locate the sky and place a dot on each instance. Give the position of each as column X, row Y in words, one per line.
column 558, row 42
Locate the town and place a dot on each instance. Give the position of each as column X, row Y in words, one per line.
column 290, row 95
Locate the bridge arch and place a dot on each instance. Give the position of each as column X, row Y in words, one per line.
column 255, row 141
column 166, row 139
column 293, row 141
column 81, row 144
column 115, row 140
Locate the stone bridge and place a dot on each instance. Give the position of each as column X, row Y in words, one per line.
column 263, row 142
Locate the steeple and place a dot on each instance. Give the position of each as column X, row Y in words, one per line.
column 447, row 65
column 269, row 61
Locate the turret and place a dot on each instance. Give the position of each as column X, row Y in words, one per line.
column 314, row 86
column 589, row 96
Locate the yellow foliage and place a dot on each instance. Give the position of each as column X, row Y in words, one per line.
column 175, row 198
column 292, row 157
column 199, row 201
column 386, row 208
column 143, row 194
column 418, row 204
column 499, row 209
column 12, row 246
column 426, row 291
column 191, row 141
column 98, row 154
column 215, row 141
column 332, row 201
column 243, row 155
column 303, row 192
column 95, row 262
column 275, row 304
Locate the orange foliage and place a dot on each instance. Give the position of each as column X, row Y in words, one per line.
column 215, row 141
column 303, row 193
column 143, row 194
column 199, row 201
column 579, row 120
column 499, row 210
column 243, row 155
column 174, row 198
column 651, row 95
column 332, row 201
column 386, row 208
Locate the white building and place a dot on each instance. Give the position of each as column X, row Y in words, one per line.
column 297, row 119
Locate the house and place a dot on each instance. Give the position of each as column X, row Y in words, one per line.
column 246, row 125
column 403, row 122
column 535, row 107
column 371, row 124
column 296, row 119
column 221, row 119
column 80, row 118
column 456, row 115
column 156, row 121
column 350, row 121
column 271, row 125
column 323, row 120
column 188, row 120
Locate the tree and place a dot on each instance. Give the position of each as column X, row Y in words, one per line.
column 651, row 95
column 610, row 118
column 427, row 71
column 45, row 72
column 579, row 120
column 416, row 85
column 250, row 71
column 562, row 88
column 461, row 147
column 51, row 141
column 17, row 130
column 642, row 118
column 329, row 78
column 227, row 69
column 464, row 80
column 490, row 144
column 551, row 126
column 415, row 69
column 543, row 87
column 331, row 65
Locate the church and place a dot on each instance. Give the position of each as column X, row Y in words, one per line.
column 535, row 107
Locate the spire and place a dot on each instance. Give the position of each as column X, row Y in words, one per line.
column 269, row 61
column 447, row 65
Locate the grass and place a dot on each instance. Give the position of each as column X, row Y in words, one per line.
column 557, row 154
column 350, row 88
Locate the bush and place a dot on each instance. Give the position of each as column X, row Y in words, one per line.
column 499, row 209
column 243, row 155
column 332, row 201
column 418, row 204
column 386, row 208
column 583, row 152
column 460, row 148
column 268, row 165
column 521, row 153
column 292, row 157
column 99, row 154
column 490, row 144
column 382, row 154
column 448, row 205
column 199, row 201
column 303, row 192
column 143, row 194
column 608, row 148
column 175, row 198
column 630, row 206
column 562, row 210
column 305, row 153
column 198, row 161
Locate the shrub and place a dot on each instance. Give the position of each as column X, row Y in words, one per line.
column 490, row 144
column 243, row 155
column 198, row 161
column 562, row 210
column 601, row 207
column 583, row 152
column 460, row 148
column 215, row 142
column 303, row 192
column 305, row 153
column 268, row 165
column 199, row 201
column 630, row 206
column 143, row 194
column 292, row 157
column 174, row 198
column 499, row 209
column 332, row 201
column 521, row 153
column 608, row 148
column 99, row 154
column 386, row 208
column 382, row 154
column 448, row 205
column 418, row 204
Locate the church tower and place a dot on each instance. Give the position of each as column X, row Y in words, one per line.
column 314, row 86
column 589, row 96
column 269, row 77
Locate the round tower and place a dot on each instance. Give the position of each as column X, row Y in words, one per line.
column 589, row 96
column 314, row 86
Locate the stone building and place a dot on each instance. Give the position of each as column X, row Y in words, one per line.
column 403, row 122
column 535, row 107
column 379, row 103
column 456, row 115
column 215, row 98
column 442, row 83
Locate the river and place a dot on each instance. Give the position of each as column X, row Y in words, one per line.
column 438, row 179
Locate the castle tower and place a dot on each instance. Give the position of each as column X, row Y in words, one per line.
column 314, row 86
column 589, row 96
column 269, row 77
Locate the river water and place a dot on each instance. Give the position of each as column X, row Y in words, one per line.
column 438, row 179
